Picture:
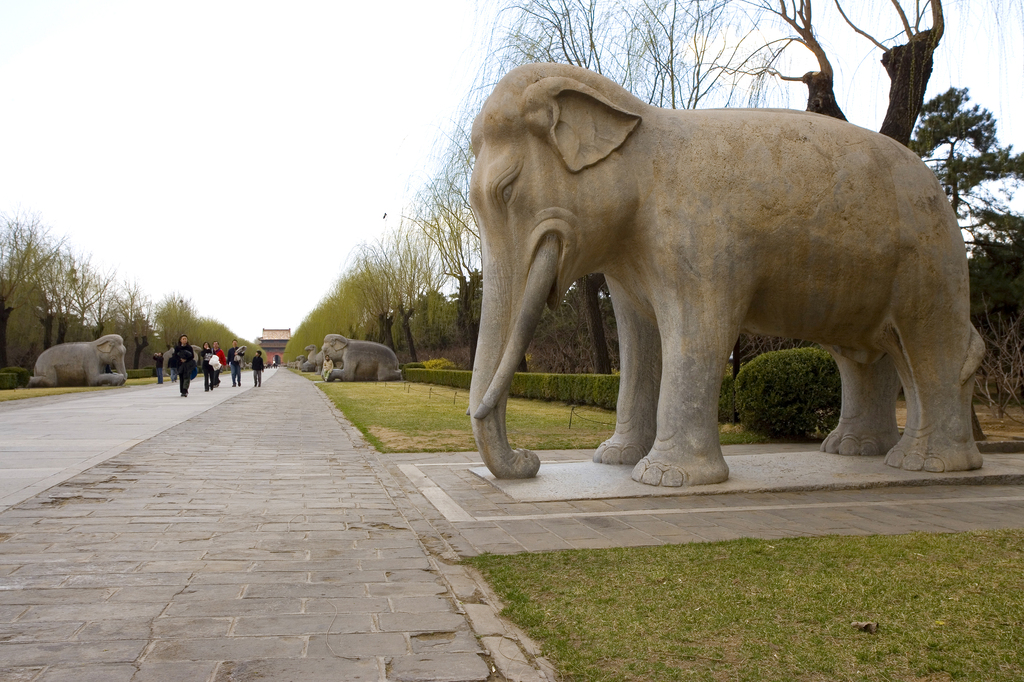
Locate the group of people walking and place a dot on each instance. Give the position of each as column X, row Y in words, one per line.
column 183, row 363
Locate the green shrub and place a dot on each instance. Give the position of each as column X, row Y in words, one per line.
column 412, row 365
column 143, row 373
column 440, row 363
column 790, row 393
column 8, row 381
column 725, row 398
column 22, row 374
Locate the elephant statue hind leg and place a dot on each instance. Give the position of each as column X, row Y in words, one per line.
column 867, row 425
column 938, row 435
column 640, row 364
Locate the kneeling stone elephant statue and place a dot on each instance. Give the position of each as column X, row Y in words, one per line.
column 360, row 360
column 81, row 364
column 706, row 224
column 309, row 364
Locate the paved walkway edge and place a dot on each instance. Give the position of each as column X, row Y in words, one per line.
column 513, row 654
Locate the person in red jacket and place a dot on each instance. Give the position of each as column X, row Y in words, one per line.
column 223, row 361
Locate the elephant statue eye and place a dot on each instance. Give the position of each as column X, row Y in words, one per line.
column 506, row 194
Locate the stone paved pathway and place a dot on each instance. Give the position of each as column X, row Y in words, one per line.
column 258, row 540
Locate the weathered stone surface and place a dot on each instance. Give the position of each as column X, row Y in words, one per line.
column 360, row 360
column 706, row 224
column 81, row 363
column 439, row 668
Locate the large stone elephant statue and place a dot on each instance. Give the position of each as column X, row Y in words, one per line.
column 309, row 364
column 706, row 224
column 360, row 360
column 81, row 363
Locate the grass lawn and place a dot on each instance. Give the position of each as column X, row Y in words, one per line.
column 410, row 417
column 948, row 607
column 22, row 393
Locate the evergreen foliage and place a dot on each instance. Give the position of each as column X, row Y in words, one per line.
column 790, row 393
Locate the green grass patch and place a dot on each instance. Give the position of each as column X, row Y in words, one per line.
column 948, row 607
column 410, row 417
column 23, row 393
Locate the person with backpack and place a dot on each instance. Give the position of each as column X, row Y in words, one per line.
column 257, row 369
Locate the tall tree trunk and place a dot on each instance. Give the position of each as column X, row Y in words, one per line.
column 47, row 322
column 821, row 97
column 386, row 322
column 406, row 315
column 590, row 286
column 5, row 316
column 466, row 318
column 909, row 67
column 62, row 329
column 139, row 345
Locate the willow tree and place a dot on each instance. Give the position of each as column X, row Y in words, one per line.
column 442, row 212
column 26, row 248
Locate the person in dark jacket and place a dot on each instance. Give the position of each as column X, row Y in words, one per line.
column 158, row 367
column 257, row 369
column 208, row 372
column 186, row 363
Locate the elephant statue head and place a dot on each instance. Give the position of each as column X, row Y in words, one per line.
column 547, row 165
column 334, row 348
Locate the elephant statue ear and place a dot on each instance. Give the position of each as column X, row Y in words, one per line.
column 105, row 345
column 580, row 122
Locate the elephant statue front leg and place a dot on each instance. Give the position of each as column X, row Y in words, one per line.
column 867, row 424
column 687, row 450
column 639, row 380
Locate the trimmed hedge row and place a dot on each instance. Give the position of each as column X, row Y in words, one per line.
column 21, row 375
column 8, row 381
column 782, row 394
column 143, row 373
column 601, row 390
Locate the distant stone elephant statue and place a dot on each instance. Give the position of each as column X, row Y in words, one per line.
column 81, row 363
column 298, row 362
column 707, row 224
column 309, row 364
column 360, row 360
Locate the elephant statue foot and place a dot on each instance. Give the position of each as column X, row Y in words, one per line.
column 918, row 451
column 671, row 470
column 619, row 451
column 857, row 439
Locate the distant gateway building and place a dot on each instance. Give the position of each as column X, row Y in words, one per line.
column 273, row 342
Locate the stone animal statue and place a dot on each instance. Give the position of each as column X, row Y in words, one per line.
column 309, row 365
column 706, row 224
column 298, row 362
column 360, row 360
column 81, row 364
column 320, row 361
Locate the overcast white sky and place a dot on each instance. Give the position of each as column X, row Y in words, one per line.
column 139, row 128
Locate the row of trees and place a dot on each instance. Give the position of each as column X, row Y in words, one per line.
column 51, row 293
column 418, row 289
